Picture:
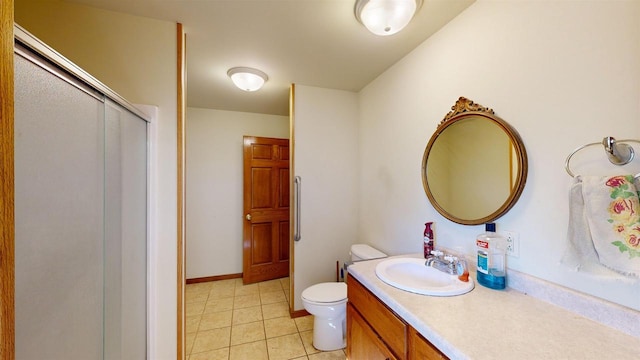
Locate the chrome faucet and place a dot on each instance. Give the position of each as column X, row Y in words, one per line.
column 443, row 262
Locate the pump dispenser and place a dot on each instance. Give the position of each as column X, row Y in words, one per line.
column 428, row 239
column 492, row 271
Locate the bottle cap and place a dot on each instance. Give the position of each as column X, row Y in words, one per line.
column 490, row 227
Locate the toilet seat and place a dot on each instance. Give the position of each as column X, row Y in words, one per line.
column 326, row 293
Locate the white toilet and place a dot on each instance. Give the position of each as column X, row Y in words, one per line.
column 327, row 302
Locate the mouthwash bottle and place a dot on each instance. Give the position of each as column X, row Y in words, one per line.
column 491, row 247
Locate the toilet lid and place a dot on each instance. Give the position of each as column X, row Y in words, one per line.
column 326, row 292
column 366, row 252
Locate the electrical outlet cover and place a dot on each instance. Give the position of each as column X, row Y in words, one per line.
column 513, row 243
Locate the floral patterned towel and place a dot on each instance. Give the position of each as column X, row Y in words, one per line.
column 612, row 214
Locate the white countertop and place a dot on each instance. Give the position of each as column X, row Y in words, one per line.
column 499, row 324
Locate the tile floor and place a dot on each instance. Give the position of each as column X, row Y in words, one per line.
column 231, row 321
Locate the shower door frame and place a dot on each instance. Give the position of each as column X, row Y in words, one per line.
column 11, row 36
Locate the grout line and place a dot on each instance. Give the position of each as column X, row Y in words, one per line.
column 228, row 348
column 264, row 328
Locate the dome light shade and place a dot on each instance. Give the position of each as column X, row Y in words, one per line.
column 247, row 79
column 386, row 17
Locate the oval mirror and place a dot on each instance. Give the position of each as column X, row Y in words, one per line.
column 475, row 165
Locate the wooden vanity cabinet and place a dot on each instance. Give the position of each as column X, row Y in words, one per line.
column 362, row 341
column 375, row 332
column 421, row 348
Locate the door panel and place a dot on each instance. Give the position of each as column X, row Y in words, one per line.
column 284, row 241
column 266, row 209
column 261, row 243
column 363, row 342
column 283, row 199
column 261, row 195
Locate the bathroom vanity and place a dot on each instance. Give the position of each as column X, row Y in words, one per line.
column 384, row 322
column 375, row 332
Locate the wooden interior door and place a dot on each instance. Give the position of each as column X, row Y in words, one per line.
column 266, row 209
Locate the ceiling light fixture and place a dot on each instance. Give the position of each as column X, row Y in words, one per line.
column 386, row 17
column 247, row 79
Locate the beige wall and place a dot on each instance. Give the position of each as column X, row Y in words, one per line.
column 214, row 185
column 136, row 57
column 562, row 73
column 326, row 155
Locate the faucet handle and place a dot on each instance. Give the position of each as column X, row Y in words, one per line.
column 451, row 258
column 436, row 253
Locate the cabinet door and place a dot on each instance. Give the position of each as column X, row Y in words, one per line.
column 363, row 343
column 381, row 319
column 420, row 348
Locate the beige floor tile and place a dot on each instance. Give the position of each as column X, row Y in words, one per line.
column 272, row 297
column 195, row 308
column 275, row 310
column 211, row 340
column 307, row 341
column 219, row 354
column 287, row 295
column 280, row 326
column 285, row 347
column 188, row 344
column 271, row 285
column 254, row 351
column 246, row 333
column 198, row 287
column 228, row 283
column 192, row 323
column 285, row 283
column 328, row 355
column 247, row 315
column 304, row 323
column 298, row 358
column 222, row 292
column 215, row 305
column 229, row 320
column 216, row 320
column 244, row 301
column 191, row 297
column 246, row 289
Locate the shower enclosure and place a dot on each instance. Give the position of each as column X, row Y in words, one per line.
column 80, row 213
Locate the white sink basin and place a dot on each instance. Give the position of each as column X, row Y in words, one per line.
column 410, row 274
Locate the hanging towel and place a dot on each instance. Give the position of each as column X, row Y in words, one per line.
column 604, row 224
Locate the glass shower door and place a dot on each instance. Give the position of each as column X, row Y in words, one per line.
column 125, row 234
column 81, row 219
column 59, row 219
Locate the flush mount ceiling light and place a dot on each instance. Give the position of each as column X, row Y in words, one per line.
column 386, row 17
column 247, row 79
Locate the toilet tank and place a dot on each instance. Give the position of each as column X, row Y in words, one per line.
column 361, row 252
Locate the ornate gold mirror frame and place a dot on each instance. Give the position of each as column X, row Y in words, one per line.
column 475, row 165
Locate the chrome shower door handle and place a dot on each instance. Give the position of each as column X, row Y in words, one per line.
column 297, row 183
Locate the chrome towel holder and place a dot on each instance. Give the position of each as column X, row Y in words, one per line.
column 618, row 152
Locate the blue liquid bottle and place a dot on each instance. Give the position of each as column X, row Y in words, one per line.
column 492, row 271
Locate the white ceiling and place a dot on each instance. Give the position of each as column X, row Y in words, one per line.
column 309, row 42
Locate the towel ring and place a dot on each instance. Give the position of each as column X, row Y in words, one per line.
column 617, row 151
